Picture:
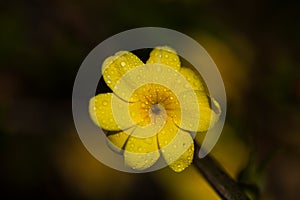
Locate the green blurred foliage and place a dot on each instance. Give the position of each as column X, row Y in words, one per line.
column 255, row 44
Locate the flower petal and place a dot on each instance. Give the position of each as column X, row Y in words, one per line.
column 100, row 109
column 167, row 133
column 114, row 67
column 176, row 145
column 193, row 78
column 209, row 114
column 165, row 55
column 141, row 153
column 117, row 141
column 184, row 161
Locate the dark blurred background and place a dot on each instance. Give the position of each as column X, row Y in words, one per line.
column 255, row 44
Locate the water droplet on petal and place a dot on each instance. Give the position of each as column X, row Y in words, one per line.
column 123, row 64
column 158, row 68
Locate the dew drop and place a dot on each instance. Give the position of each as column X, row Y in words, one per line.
column 158, row 68
column 187, row 85
column 123, row 64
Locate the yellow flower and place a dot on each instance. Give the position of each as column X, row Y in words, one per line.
column 154, row 108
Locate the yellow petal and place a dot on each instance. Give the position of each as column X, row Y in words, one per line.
column 139, row 113
column 117, row 141
column 114, row 67
column 177, row 146
column 209, row 114
column 141, row 153
column 184, row 161
column 193, row 78
column 167, row 133
column 100, row 109
column 165, row 55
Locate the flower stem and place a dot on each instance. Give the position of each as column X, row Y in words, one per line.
column 222, row 183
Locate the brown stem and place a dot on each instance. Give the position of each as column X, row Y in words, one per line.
column 222, row 183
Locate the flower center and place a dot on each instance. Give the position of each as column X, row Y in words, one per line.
column 153, row 102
